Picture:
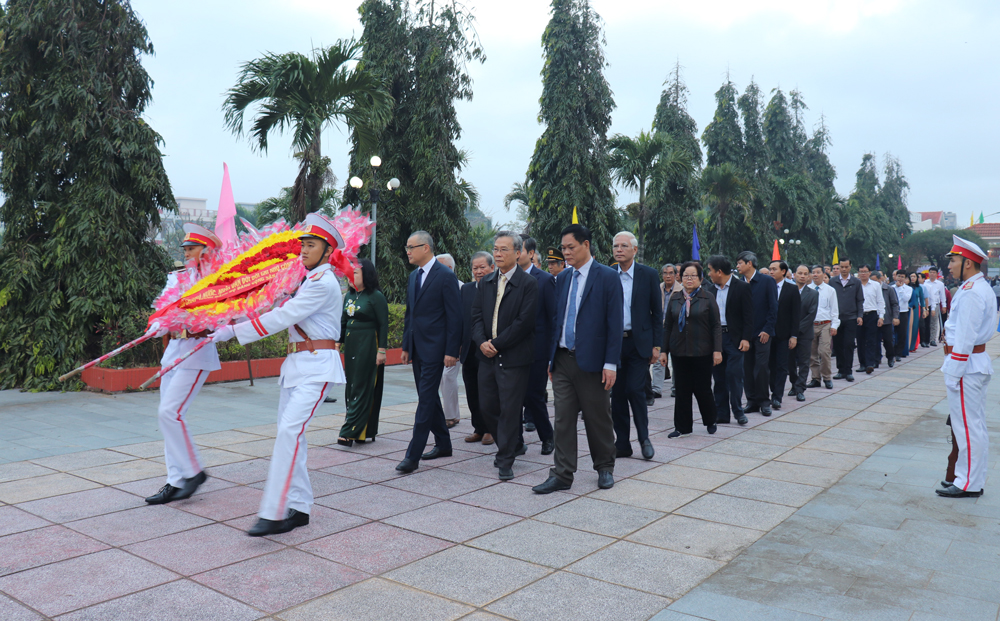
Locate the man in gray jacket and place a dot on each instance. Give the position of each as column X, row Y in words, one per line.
column 891, row 312
column 802, row 354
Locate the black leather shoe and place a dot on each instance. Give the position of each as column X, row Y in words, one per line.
column 791, row 393
column 828, row 384
column 954, row 492
column 765, row 410
column 547, row 447
column 945, row 484
column 551, row 484
column 750, row 409
column 861, row 369
column 838, row 376
column 521, row 450
column 330, row 400
column 849, row 378
column 892, row 363
column 265, row 527
column 713, row 428
column 813, row 384
column 434, row 453
column 933, row 344
column 605, row 480
column 800, row 397
column 622, row 453
column 676, row 434
column 776, row 404
column 191, row 485
column 167, row 493
column 869, row 370
column 647, row 450
column 650, row 401
column 506, row 474
column 530, row 427
column 898, row 358
column 741, row 419
column 657, row 395
column 293, row 521
column 406, row 466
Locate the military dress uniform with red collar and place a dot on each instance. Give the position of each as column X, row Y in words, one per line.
column 967, row 370
column 180, row 386
column 312, row 318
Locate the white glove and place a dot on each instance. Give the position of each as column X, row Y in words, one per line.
column 223, row 334
column 951, row 381
column 157, row 330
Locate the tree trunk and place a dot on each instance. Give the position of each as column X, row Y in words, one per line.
column 314, row 181
column 642, row 221
column 720, row 232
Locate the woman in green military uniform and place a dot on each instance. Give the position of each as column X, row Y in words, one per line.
column 364, row 333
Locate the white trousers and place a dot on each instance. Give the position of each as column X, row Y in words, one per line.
column 178, row 389
column 288, row 485
column 967, row 405
column 449, row 391
column 935, row 325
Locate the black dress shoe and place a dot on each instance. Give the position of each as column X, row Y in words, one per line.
column 945, row 484
column 506, row 474
column 741, row 419
column 551, row 484
column 406, row 466
column 765, row 410
column 435, row 452
column 800, row 397
column 294, row 520
column 330, row 400
column 862, row 369
column 813, row 384
column 647, row 449
column 547, row 447
column 650, row 401
column 530, row 427
column 265, row 527
column 713, row 428
column 521, row 450
column 933, row 344
column 791, row 393
column 677, row 434
column 167, row 493
column 776, row 404
column 191, row 485
column 657, row 395
column 828, row 384
column 622, row 453
column 605, row 480
column 869, row 370
column 750, row 409
column 892, row 363
column 838, row 376
column 849, row 378
column 954, row 492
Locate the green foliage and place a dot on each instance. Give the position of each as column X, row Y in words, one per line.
column 876, row 219
column 482, row 237
column 396, row 312
column 725, row 190
column 422, row 57
column 282, row 207
column 303, row 94
column 932, row 246
column 569, row 166
column 83, row 180
column 722, row 137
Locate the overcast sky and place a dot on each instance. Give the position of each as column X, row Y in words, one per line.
column 916, row 79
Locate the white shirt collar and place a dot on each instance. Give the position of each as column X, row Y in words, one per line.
column 630, row 271
column 508, row 273
column 322, row 267
column 729, row 280
column 585, row 268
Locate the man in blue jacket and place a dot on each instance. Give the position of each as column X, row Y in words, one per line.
column 764, row 295
column 585, row 350
column 432, row 336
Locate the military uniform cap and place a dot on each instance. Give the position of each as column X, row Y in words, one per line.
column 554, row 254
column 196, row 235
column 319, row 227
column 967, row 249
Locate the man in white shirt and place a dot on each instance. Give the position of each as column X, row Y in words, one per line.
column 938, row 303
column 449, row 380
column 873, row 316
column 903, row 329
column 824, row 328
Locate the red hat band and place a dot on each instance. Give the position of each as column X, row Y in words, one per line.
column 968, row 254
column 199, row 239
column 317, row 231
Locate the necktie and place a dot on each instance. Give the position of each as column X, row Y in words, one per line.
column 501, row 286
column 571, row 315
column 817, row 287
column 420, row 281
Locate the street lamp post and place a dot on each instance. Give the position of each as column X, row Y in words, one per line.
column 374, row 193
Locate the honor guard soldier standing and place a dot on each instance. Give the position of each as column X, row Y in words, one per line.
column 967, row 368
column 180, row 386
column 312, row 318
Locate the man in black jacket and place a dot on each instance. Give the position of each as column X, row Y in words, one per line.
column 482, row 264
column 851, row 303
column 535, row 411
column 503, row 327
column 886, row 332
column 642, row 322
column 802, row 353
column 736, row 314
column 764, row 295
column 786, row 329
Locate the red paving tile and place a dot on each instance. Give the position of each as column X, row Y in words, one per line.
column 375, row 501
column 79, row 505
column 194, row 551
column 185, row 601
column 322, row 457
column 12, row 611
column 280, row 580
column 225, row 504
column 13, row 520
column 242, row 472
column 452, row 521
column 135, row 525
column 44, row 545
column 148, row 487
column 323, row 521
column 375, row 548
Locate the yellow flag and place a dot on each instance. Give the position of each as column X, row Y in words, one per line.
column 835, row 259
column 575, row 219
column 971, row 221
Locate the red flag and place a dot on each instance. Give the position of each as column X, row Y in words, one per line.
column 775, row 254
column 225, row 220
column 899, row 263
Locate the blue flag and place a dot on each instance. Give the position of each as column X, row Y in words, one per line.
column 695, row 246
column 877, row 262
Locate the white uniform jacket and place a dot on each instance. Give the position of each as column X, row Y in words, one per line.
column 316, row 308
column 972, row 322
column 207, row 358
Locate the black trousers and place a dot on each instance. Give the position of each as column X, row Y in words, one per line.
column 470, row 376
column 843, row 344
column 755, row 371
column 778, row 368
column 901, row 346
column 885, row 334
column 429, row 417
column 630, row 390
column 728, row 380
column 574, row 391
column 925, row 330
column 801, row 359
column 534, row 399
column 501, row 399
column 868, row 340
column 694, row 379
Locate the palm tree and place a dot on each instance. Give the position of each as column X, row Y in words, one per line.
column 634, row 162
column 519, row 194
column 304, row 94
column 725, row 189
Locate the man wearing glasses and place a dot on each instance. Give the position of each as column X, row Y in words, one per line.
column 658, row 372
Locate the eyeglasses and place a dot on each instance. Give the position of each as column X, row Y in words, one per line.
column 411, row 248
column 689, row 276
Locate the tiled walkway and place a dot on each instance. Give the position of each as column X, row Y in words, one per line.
column 769, row 506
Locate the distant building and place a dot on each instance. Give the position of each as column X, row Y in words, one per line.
column 917, row 222
column 990, row 232
column 938, row 220
column 194, row 210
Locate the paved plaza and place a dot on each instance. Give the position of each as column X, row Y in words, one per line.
column 824, row 511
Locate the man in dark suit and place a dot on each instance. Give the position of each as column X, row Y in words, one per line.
column 642, row 318
column 535, row 411
column 886, row 331
column 801, row 354
column 432, row 339
column 585, row 350
column 764, row 296
column 482, row 264
column 503, row 328
column 736, row 314
column 851, row 303
column 786, row 330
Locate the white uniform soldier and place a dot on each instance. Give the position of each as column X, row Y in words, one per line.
column 180, row 386
column 312, row 318
column 967, row 368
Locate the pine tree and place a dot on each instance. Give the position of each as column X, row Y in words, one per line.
column 569, row 166
column 722, row 137
column 780, row 136
column 83, row 181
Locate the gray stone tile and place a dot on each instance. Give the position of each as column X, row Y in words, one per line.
column 647, row 495
column 468, row 575
column 719, row 542
column 719, row 461
column 838, row 607
column 187, row 600
column 736, row 446
column 513, row 499
column 705, row 604
column 821, row 459
column 538, row 542
column 737, row 511
column 769, row 490
column 944, row 603
column 795, row 473
column 22, row 470
column 375, row 502
column 12, row 611
column 377, row 600
column 452, row 521
column 598, row 516
column 646, row 568
column 568, row 597
column 690, row 478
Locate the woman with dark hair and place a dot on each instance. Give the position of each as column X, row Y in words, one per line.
column 918, row 309
column 692, row 335
column 364, row 336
